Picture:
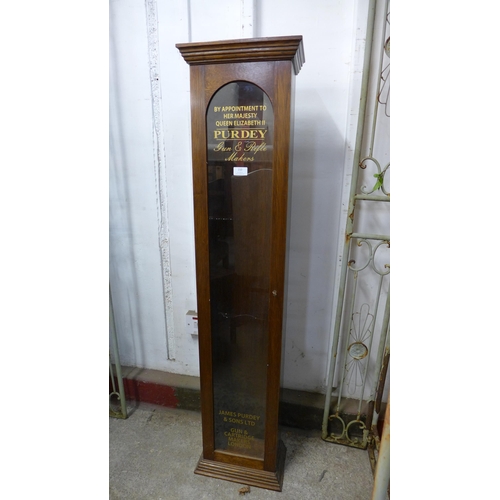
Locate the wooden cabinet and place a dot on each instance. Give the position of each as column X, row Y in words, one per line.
column 241, row 120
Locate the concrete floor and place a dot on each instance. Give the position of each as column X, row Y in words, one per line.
column 153, row 453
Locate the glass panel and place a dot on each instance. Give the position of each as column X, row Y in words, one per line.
column 239, row 141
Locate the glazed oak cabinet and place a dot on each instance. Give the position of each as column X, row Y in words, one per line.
column 241, row 120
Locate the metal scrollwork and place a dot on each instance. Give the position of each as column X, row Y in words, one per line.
column 357, row 351
column 347, row 435
column 353, row 439
column 384, row 95
column 364, row 265
column 379, row 176
column 387, row 268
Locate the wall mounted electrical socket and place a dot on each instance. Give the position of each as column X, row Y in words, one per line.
column 192, row 323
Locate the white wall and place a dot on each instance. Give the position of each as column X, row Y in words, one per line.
column 325, row 112
column 135, row 279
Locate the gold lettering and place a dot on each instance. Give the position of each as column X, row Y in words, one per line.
column 254, row 147
column 240, row 134
column 220, row 147
column 234, row 157
column 229, row 413
column 239, row 108
column 239, row 438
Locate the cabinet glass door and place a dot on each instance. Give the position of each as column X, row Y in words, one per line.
column 239, row 128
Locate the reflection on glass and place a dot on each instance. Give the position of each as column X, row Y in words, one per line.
column 239, row 146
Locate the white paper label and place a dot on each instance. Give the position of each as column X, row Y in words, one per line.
column 240, row 171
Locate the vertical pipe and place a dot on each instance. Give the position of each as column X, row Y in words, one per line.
column 247, row 18
column 160, row 171
column 382, row 471
column 350, row 212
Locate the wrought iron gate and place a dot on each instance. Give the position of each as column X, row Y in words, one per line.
column 360, row 346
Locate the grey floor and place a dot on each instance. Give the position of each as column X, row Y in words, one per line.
column 153, row 453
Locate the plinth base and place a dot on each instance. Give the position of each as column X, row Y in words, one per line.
column 245, row 475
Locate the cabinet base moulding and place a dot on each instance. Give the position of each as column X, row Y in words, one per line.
column 245, row 475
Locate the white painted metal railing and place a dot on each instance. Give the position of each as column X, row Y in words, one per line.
column 360, row 345
column 117, row 401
